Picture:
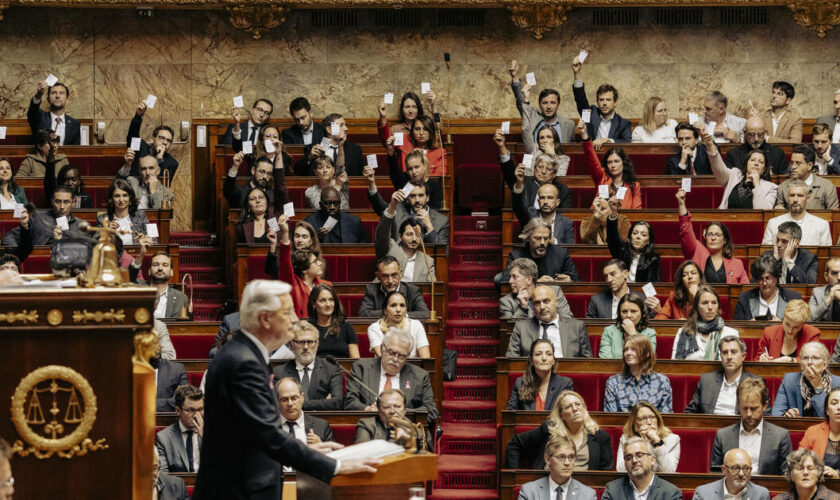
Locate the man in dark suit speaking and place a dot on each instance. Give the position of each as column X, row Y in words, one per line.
column 244, row 447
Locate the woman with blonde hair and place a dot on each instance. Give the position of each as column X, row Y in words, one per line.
column 782, row 343
column 568, row 418
column 646, row 422
column 655, row 125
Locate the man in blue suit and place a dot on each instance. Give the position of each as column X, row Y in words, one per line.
column 605, row 125
column 827, row 153
column 348, row 228
column 66, row 127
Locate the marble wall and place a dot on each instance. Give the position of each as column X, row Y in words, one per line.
column 195, row 62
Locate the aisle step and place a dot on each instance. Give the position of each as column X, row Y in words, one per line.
column 470, row 390
column 461, row 291
column 474, row 348
column 473, row 238
column 472, row 329
column 475, row 368
column 201, row 256
column 453, row 494
column 472, row 273
column 478, row 255
column 209, row 293
column 468, row 439
column 466, row 472
column 193, row 239
column 468, row 223
column 474, row 310
column 202, row 274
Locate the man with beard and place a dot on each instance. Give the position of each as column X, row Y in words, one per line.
column 729, row 128
column 433, row 224
column 258, row 117
column 150, row 192
column 261, row 172
column 553, row 262
column 389, row 279
column 825, row 301
column 641, row 482
column 523, row 280
column 822, row 195
column 782, row 120
column 66, row 127
column 755, row 137
column 391, row 371
column 162, row 137
column 533, row 119
column 305, row 130
column 40, row 227
column 548, row 197
column 827, row 154
column 319, row 379
column 693, row 159
column 605, row 304
column 568, row 335
column 716, row 391
column 737, row 472
column 605, row 125
column 815, row 230
column 170, row 300
column 416, row 266
column 347, row 228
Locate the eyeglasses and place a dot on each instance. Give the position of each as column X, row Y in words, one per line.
column 635, row 456
column 262, row 111
column 738, row 469
column 810, row 359
column 394, row 354
column 714, row 235
column 565, row 458
column 647, row 418
column 305, row 343
column 803, row 468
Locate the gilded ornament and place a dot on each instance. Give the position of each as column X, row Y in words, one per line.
column 24, row 317
column 818, row 16
column 538, row 19
column 54, row 317
column 114, row 316
column 146, row 345
column 141, row 315
column 256, row 20
column 62, row 427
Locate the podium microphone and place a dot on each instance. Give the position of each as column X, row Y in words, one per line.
column 350, row 374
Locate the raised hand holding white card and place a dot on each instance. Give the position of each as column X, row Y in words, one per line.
column 150, row 101
column 389, row 98
column 586, row 115
column 335, row 129
column 152, row 230
column 273, row 225
column 247, row 147
column 62, row 222
column 528, row 160
column 372, row 162
column 51, row 80
column 505, row 127
column 686, row 184
column 18, row 211
column 650, row 290
column 269, row 146
column 289, row 210
column 621, row 193
column 135, row 143
column 238, row 102
column 604, row 191
column 693, row 118
column 582, row 56
column 530, row 79
column 407, row 189
column 326, row 143
column 425, row 87
column 330, row 223
column 399, row 139
column 710, row 128
column 2, row 132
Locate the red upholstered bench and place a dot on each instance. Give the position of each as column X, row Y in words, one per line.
column 590, row 268
column 644, row 164
column 88, row 165
column 358, row 195
column 193, row 346
column 657, row 197
column 340, row 268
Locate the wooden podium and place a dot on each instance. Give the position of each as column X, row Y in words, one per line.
column 78, row 411
column 392, row 480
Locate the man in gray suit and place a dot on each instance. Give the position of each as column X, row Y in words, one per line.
column 416, row 266
column 567, row 334
column 305, row 428
column 166, row 487
column 832, row 121
column 390, row 372
column 640, row 462
column 825, row 300
column 171, row 300
column 178, row 444
column 523, row 280
column 532, row 119
column 716, row 391
column 320, row 380
column 737, row 471
column 765, row 443
column 391, row 403
column 560, row 456
column 822, row 195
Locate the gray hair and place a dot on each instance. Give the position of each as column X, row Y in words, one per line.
column 401, row 337
column 732, row 338
column 305, row 326
column 638, row 440
column 819, row 346
column 526, row 266
column 258, row 297
column 531, row 226
column 550, row 158
column 799, row 456
column 719, row 97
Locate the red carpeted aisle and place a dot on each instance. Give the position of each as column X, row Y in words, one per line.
column 467, row 466
column 202, row 259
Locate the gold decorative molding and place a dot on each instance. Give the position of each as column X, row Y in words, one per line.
column 24, row 317
column 538, row 19
column 146, row 346
column 54, row 317
column 45, row 430
column 256, row 20
column 142, row 315
column 111, row 315
column 818, row 16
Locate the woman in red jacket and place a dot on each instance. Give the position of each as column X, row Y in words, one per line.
column 301, row 269
column 824, row 438
column 619, row 172
column 782, row 342
column 687, row 279
column 714, row 256
column 423, row 136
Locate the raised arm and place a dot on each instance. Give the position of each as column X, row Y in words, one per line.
column 687, row 237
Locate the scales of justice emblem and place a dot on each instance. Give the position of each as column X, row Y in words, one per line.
column 53, row 410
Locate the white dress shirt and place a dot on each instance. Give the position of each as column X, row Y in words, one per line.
column 408, row 272
column 634, row 266
column 642, row 495
column 300, row 429
column 735, row 123
column 160, row 311
column 693, row 159
column 553, row 334
column 552, row 488
column 815, row 230
column 603, row 131
column 58, row 127
column 307, row 134
column 299, row 367
column 125, row 223
column 733, row 496
column 727, row 400
column 664, row 134
column 195, row 444
column 383, row 378
column 764, row 307
column 751, row 443
column 7, row 204
column 615, row 302
column 776, row 120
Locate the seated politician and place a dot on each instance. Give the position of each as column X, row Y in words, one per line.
column 553, row 262
column 687, row 278
column 803, row 393
column 632, row 320
column 560, row 458
column 638, row 382
column 293, row 418
column 646, row 422
column 391, row 403
column 767, row 301
column 319, row 378
column 716, row 391
column 698, row 338
column 539, row 387
column 394, row 317
column 605, row 304
column 781, row 343
column 567, row 334
column 737, row 471
column 523, row 280
column 640, row 462
column 347, row 228
column 806, row 477
column 818, row 437
column 389, row 279
column 178, row 445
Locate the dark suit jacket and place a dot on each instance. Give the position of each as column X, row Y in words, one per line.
column 701, row 163
column 556, row 261
column 171, row 450
column 532, row 186
column 244, row 134
column 318, row 426
column 775, row 157
column 599, row 445
column 293, row 135
column 805, row 267
column 775, row 447
column 620, row 129
column 573, row 338
column 622, row 489
column 237, row 194
column 374, row 301
column 173, row 488
column 40, row 120
column 324, row 380
column 170, row 375
column 834, row 151
column 707, row 392
column 230, row 322
column 41, row 225
column 600, row 305
column 564, row 228
column 370, row 428
column 556, row 385
column 167, row 163
column 620, row 248
column 348, row 230
column 244, row 447
column 414, row 382
column 747, row 306
column 354, row 160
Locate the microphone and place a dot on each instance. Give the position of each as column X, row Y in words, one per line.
column 352, row 375
column 447, row 58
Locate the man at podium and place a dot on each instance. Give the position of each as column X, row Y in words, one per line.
column 244, row 447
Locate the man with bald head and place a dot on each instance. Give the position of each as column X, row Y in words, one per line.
column 736, row 484
column 548, row 199
column 567, row 334
column 755, row 137
column 346, row 228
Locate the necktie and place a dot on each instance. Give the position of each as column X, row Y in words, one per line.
column 253, row 134
column 691, row 166
column 291, row 427
column 57, row 122
column 835, row 310
column 387, row 383
column 559, row 495
column 304, row 384
column 545, row 330
column 190, row 458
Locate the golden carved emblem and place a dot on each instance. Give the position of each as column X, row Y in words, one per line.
column 256, row 20
column 141, row 315
column 818, row 16
column 84, row 316
column 54, row 317
column 146, row 346
column 53, row 409
column 23, row 317
column 538, row 19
